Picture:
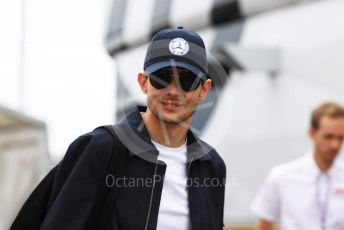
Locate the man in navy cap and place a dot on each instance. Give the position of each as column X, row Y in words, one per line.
column 172, row 179
column 175, row 81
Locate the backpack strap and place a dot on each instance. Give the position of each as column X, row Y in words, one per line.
column 107, row 195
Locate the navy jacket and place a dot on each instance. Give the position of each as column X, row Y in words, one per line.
column 137, row 204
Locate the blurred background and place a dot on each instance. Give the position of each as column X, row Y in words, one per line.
column 67, row 67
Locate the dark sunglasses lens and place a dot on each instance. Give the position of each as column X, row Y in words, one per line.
column 160, row 79
column 188, row 81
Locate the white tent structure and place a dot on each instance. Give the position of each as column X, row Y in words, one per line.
column 23, row 157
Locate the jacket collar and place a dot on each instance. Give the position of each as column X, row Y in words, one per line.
column 135, row 136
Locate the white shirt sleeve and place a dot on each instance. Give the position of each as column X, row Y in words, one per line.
column 266, row 204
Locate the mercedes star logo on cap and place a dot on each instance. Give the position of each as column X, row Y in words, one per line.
column 179, row 46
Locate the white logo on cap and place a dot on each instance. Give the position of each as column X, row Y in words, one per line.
column 179, row 46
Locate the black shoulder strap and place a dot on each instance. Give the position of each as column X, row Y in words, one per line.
column 107, row 194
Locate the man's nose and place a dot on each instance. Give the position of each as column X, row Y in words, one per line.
column 174, row 87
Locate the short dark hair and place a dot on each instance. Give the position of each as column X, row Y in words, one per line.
column 330, row 109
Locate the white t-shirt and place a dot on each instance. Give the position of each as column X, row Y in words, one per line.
column 174, row 204
column 297, row 194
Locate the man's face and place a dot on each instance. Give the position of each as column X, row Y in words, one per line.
column 328, row 137
column 172, row 104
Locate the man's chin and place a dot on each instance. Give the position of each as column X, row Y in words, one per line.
column 329, row 156
column 168, row 117
column 332, row 155
column 171, row 120
column 175, row 119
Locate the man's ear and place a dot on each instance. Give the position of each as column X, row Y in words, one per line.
column 311, row 132
column 205, row 87
column 142, row 79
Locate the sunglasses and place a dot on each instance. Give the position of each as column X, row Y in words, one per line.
column 162, row 78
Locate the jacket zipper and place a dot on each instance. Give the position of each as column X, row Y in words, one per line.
column 152, row 193
column 187, row 187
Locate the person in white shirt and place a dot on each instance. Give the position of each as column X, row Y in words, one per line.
column 308, row 193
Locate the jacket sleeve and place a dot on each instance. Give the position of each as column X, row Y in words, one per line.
column 220, row 169
column 76, row 184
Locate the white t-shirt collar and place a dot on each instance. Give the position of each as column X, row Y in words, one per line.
column 170, row 149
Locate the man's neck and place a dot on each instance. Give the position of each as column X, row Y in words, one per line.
column 165, row 133
column 322, row 164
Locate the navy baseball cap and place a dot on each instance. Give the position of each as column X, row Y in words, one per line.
column 179, row 48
